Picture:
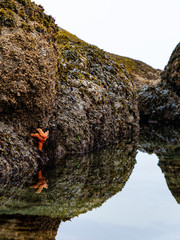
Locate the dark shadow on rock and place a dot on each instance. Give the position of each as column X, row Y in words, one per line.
column 161, row 103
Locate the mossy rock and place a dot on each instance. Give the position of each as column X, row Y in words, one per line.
column 53, row 80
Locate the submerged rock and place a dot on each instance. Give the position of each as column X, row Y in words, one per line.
column 53, row 80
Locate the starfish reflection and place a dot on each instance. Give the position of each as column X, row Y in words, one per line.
column 40, row 184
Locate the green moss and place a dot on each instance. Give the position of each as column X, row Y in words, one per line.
column 65, row 37
column 29, row 12
column 22, row 14
column 24, row 2
column 26, row 27
column 10, row 4
column 7, row 18
column 132, row 65
column 40, row 28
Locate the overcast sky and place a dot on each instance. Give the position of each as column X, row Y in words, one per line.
column 147, row 30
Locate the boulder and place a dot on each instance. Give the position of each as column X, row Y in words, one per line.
column 52, row 80
column 161, row 103
column 171, row 73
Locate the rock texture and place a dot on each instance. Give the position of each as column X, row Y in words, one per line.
column 165, row 143
column 53, row 80
column 170, row 166
column 141, row 73
column 77, row 185
column 28, row 227
column 171, row 74
column 161, row 103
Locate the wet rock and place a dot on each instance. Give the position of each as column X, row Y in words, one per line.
column 17, row 157
column 171, row 73
column 53, row 80
column 161, row 102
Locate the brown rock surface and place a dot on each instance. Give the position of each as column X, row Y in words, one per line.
column 171, row 73
column 52, row 80
column 161, row 103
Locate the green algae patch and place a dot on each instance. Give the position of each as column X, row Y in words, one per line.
column 29, row 16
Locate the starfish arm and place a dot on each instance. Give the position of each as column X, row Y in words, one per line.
column 38, row 136
column 39, row 189
column 46, row 134
column 42, row 134
column 35, row 135
column 40, row 175
column 35, row 186
column 40, row 131
column 46, row 186
column 40, row 146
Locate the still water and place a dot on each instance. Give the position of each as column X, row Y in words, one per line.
column 129, row 191
column 144, row 209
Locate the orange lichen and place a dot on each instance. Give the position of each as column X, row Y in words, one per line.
column 42, row 137
column 40, row 184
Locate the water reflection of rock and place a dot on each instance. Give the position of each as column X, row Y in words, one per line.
column 28, row 227
column 165, row 143
column 76, row 186
column 170, row 166
column 161, row 141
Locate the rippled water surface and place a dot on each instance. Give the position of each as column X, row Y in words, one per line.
column 129, row 191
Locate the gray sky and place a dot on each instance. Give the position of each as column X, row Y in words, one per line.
column 147, row 30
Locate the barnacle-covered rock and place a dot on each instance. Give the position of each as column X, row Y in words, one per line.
column 171, row 73
column 161, row 103
column 51, row 79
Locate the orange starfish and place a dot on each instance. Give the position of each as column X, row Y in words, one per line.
column 41, row 183
column 41, row 137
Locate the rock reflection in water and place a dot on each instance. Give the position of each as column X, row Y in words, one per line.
column 77, row 185
column 165, row 143
column 28, row 227
column 170, row 166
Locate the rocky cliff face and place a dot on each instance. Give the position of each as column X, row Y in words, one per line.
column 171, row 74
column 161, row 103
column 53, row 80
